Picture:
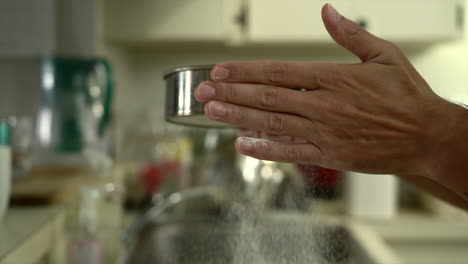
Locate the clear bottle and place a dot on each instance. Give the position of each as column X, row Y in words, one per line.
column 85, row 246
column 5, row 167
column 106, row 180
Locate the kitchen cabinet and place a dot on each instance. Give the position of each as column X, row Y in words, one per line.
column 277, row 21
column 293, row 21
column 401, row 21
column 415, row 21
column 207, row 21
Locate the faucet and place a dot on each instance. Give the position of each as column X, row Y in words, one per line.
column 161, row 205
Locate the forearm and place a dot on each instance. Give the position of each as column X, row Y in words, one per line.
column 436, row 189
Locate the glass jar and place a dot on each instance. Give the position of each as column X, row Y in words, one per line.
column 5, row 167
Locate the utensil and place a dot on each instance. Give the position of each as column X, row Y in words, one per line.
column 181, row 106
column 5, row 167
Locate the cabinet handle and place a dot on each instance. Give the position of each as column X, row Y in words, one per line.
column 460, row 16
column 242, row 18
column 362, row 23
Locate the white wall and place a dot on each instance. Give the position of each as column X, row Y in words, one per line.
column 445, row 68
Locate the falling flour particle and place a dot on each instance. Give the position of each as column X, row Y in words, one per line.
column 260, row 241
column 257, row 142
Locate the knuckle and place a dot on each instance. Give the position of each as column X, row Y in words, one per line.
column 316, row 76
column 268, row 96
column 238, row 71
column 235, row 115
column 229, row 92
column 392, row 46
column 293, row 153
column 331, row 79
column 264, row 147
column 276, row 71
column 275, row 123
column 337, row 78
column 393, row 50
column 355, row 32
column 334, row 107
column 321, row 79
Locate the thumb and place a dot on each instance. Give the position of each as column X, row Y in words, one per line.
column 351, row 36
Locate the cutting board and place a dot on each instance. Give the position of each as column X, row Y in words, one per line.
column 45, row 186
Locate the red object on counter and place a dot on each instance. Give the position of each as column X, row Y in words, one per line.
column 152, row 175
column 320, row 178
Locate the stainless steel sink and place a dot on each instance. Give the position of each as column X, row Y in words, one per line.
column 252, row 239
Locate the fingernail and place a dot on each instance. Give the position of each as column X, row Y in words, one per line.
column 220, row 73
column 334, row 15
column 217, row 109
column 205, row 91
column 245, row 144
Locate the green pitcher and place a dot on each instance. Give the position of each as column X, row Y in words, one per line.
column 75, row 107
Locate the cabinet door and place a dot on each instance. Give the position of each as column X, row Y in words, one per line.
column 411, row 21
column 168, row 20
column 401, row 21
column 291, row 21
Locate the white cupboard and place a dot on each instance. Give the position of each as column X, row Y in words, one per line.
column 277, row 21
column 292, row 21
column 148, row 21
column 412, row 21
column 401, row 21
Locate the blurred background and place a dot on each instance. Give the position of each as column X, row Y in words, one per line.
column 92, row 161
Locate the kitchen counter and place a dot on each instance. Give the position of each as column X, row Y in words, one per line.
column 31, row 235
column 414, row 226
column 419, row 239
column 414, row 235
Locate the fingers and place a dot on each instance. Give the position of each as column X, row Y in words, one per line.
column 279, row 124
column 304, row 75
column 281, row 152
column 253, row 95
column 351, row 36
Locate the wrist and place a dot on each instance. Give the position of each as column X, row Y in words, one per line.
column 448, row 163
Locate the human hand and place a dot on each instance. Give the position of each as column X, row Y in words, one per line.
column 378, row 116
